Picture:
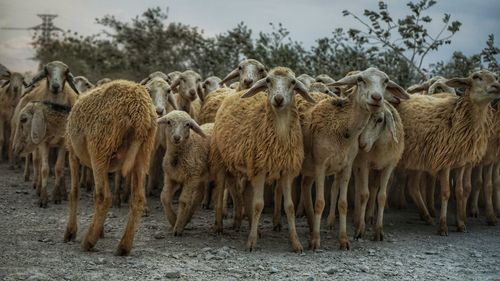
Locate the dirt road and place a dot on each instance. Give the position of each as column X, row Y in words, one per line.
column 31, row 247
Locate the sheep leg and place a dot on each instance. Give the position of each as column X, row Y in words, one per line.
column 385, row 175
column 126, row 189
column 496, row 184
column 334, row 194
column 362, row 194
column 102, row 202
column 467, row 189
column 372, row 204
column 444, row 181
column 71, row 227
column 491, row 218
column 219, row 190
column 319, row 205
column 278, row 195
column 166, row 200
column 305, row 196
column 414, row 181
column 27, row 167
column 138, row 179
column 225, row 199
column 236, row 195
column 431, row 204
column 44, row 159
column 36, row 171
column 59, row 192
column 345, row 176
column 116, row 192
column 2, row 138
column 196, row 199
column 258, row 183
column 459, row 198
column 477, row 177
column 285, row 184
column 184, row 207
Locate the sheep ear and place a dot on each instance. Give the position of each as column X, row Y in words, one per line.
column 396, row 91
column 175, row 83
column 71, row 81
column 5, row 83
column 196, row 128
column 459, row 82
column 302, row 89
column 39, row 76
column 171, row 100
column 144, row 81
column 348, row 80
column 199, row 91
column 162, row 120
column 38, row 127
column 232, row 75
column 391, row 124
column 257, row 87
column 416, row 88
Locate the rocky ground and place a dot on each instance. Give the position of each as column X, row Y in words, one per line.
column 31, row 247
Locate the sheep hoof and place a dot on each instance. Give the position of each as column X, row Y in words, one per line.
column 461, row 228
column 370, row 220
column 379, row 234
column 145, row 213
column 429, row 220
column 26, row 178
column 122, row 251
column 70, row 234
column 432, row 212
column 236, row 226
column 252, row 244
column 297, row 247
column 314, row 244
column 277, row 227
column 360, row 231
column 491, row 220
column 42, row 203
column 205, row 205
column 344, row 244
column 474, row 213
column 443, row 229
column 218, row 229
column 87, row 245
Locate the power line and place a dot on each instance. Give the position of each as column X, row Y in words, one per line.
column 45, row 28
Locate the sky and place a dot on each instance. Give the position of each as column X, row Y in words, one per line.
column 306, row 20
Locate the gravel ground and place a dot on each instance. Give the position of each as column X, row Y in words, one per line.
column 31, row 247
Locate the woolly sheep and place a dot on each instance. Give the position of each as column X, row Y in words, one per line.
column 331, row 134
column 111, row 129
column 436, row 84
column 257, row 135
column 451, row 132
column 306, row 79
column 187, row 85
column 83, row 84
column 102, row 82
column 185, row 166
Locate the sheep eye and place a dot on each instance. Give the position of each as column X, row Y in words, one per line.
column 379, row 120
column 169, row 123
column 293, row 82
column 360, row 79
column 268, row 80
column 24, row 119
column 240, row 68
column 386, row 80
column 477, row 77
column 187, row 125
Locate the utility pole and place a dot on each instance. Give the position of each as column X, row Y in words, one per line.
column 45, row 28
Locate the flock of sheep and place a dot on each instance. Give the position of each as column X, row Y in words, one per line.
column 213, row 145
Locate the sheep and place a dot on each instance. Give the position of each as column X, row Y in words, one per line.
column 451, row 132
column 381, row 145
column 11, row 91
column 185, row 166
column 41, row 125
column 172, row 76
column 331, row 132
column 234, row 85
column 321, row 88
column 436, row 84
column 257, row 135
column 102, row 81
column 325, row 79
column 210, row 84
column 306, row 79
column 111, row 129
column 54, row 83
column 156, row 74
column 83, row 84
column 187, row 85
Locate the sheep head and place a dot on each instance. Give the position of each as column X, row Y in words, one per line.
column 15, row 82
column 178, row 125
column 210, row 84
column 372, row 86
column 321, row 88
column 31, row 128
column 481, row 86
column 281, row 85
column 102, row 81
column 188, row 84
column 160, row 93
column 57, row 74
column 325, row 79
column 306, row 79
column 158, row 74
column 248, row 72
column 378, row 123
column 83, row 84
column 436, row 84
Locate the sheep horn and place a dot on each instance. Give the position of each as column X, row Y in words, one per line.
column 232, row 75
column 257, row 87
column 39, row 76
column 196, row 128
column 71, row 82
column 302, row 89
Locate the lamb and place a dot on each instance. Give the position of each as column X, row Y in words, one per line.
column 381, row 146
column 257, row 136
column 436, row 84
column 41, row 125
column 210, row 84
column 10, row 94
column 185, row 166
column 111, row 129
column 248, row 72
column 83, row 84
column 54, row 83
column 452, row 131
column 331, row 133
